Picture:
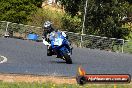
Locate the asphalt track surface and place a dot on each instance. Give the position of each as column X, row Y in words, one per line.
column 29, row 57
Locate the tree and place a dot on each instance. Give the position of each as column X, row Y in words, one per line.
column 103, row 16
column 37, row 3
column 71, row 6
column 17, row 10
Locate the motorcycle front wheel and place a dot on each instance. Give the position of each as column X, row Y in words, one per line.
column 67, row 58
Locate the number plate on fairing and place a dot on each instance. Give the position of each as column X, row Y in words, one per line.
column 58, row 41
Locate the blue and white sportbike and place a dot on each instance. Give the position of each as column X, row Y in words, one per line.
column 60, row 47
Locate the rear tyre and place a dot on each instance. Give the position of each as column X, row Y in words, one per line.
column 67, row 59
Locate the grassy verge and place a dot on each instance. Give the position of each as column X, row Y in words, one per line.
column 53, row 85
column 33, row 81
column 128, row 47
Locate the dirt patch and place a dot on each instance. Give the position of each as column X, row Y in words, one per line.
column 35, row 78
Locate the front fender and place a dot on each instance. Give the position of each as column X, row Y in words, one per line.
column 64, row 50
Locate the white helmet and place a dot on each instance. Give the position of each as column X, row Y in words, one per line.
column 47, row 24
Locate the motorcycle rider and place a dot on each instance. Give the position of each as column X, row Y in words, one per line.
column 47, row 29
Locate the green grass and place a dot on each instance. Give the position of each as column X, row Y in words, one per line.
column 52, row 85
column 128, row 47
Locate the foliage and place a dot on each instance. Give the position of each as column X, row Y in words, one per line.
column 128, row 47
column 103, row 17
column 71, row 6
column 17, row 10
column 71, row 24
column 60, row 20
column 129, row 26
column 42, row 15
column 37, row 3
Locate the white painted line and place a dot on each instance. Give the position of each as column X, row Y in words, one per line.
column 4, row 60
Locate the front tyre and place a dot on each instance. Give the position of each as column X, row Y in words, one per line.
column 67, row 58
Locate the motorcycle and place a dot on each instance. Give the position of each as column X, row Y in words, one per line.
column 60, row 47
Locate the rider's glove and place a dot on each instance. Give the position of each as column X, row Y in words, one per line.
column 64, row 34
column 46, row 43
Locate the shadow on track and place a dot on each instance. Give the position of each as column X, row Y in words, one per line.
column 57, row 62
